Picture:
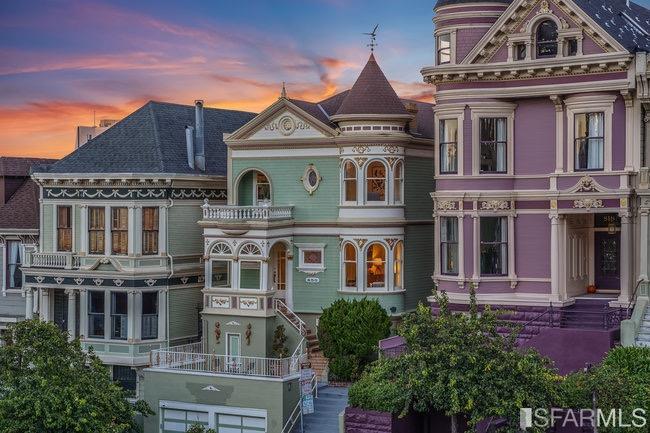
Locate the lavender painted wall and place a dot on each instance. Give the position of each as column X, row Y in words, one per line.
column 466, row 39
column 534, row 137
column 533, row 246
column 590, row 47
column 618, row 135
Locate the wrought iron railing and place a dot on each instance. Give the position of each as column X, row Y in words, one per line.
column 191, row 357
column 246, row 213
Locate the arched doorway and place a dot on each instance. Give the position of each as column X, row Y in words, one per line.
column 280, row 271
column 253, row 189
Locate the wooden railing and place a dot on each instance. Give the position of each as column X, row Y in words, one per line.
column 191, row 357
column 246, row 213
column 51, row 260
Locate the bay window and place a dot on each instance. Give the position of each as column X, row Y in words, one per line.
column 149, row 315
column 250, row 275
column 449, row 245
column 14, row 260
column 443, row 46
column 547, row 39
column 350, row 264
column 376, row 182
column 448, row 138
column 350, row 182
column 149, row 230
column 119, row 315
column 589, row 141
column 96, row 234
column 398, row 181
column 96, row 310
column 376, row 266
column 494, row 246
column 120, row 230
column 493, row 144
column 64, row 228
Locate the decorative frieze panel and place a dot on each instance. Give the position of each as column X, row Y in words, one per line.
column 248, row 303
column 58, row 280
column 219, row 302
column 134, row 193
column 587, row 203
column 495, row 205
column 446, row 205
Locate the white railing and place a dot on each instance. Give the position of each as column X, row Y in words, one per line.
column 190, row 357
column 51, row 260
column 283, row 310
column 246, row 213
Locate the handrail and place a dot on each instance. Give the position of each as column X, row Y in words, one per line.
column 536, row 318
column 295, row 415
column 301, row 327
column 634, row 293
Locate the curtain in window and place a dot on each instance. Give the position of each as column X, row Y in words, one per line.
column 15, row 276
column 448, row 146
column 494, row 246
column 350, row 180
column 350, row 261
column 64, row 228
column 376, row 266
column 449, row 245
column 596, row 144
column 501, row 137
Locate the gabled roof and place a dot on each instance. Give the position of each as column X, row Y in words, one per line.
column 19, row 166
column 611, row 16
column 152, row 140
column 371, row 94
column 442, row 3
column 21, row 211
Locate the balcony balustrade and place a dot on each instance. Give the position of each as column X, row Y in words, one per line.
column 65, row 260
column 223, row 213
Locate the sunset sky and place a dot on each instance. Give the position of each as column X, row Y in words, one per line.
column 62, row 59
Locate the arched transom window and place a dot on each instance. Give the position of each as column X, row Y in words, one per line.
column 221, row 249
column 250, row 249
column 376, row 266
column 350, row 264
column 546, row 39
column 376, row 182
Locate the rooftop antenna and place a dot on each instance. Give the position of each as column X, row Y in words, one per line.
column 373, row 38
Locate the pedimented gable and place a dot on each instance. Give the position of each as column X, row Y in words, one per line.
column 283, row 120
column 518, row 21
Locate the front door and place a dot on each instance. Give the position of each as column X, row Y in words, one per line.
column 607, row 251
column 280, row 272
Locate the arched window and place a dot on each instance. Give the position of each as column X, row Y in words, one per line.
column 376, row 266
column 376, row 181
column 262, row 189
column 250, row 249
column 398, row 266
column 221, row 249
column 350, row 264
column 349, row 181
column 398, row 181
column 546, row 39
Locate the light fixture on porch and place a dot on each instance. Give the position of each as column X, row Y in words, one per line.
column 611, row 228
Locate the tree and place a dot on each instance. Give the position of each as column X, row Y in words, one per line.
column 460, row 365
column 349, row 334
column 50, row 385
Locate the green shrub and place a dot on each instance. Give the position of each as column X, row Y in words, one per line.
column 279, row 340
column 380, row 387
column 349, row 333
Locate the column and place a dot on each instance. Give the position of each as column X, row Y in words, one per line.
column 555, row 277
column 107, row 231
column 72, row 319
column 45, row 305
column 476, row 239
column 83, row 313
column 643, row 244
column 461, row 249
column 625, row 259
column 107, row 315
column 83, row 230
column 130, row 328
column 29, row 303
column 629, row 130
column 3, row 246
column 137, row 330
column 559, row 133
column 131, row 235
column 289, row 286
column 162, row 230
column 162, row 314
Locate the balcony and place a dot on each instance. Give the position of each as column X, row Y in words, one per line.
column 192, row 358
column 51, row 260
column 245, row 214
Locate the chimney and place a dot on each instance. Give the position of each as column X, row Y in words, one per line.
column 189, row 141
column 412, row 109
column 199, row 137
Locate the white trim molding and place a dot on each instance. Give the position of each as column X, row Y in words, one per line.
column 493, row 110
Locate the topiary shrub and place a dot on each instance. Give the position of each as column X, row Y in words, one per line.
column 349, row 333
column 279, row 341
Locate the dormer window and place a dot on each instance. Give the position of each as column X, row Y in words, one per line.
column 571, row 47
column 546, row 39
column 443, row 45
column 520, row 51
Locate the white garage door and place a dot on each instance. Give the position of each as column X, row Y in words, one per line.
column 178, row 417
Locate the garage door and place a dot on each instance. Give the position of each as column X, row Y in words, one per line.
column 176, row 417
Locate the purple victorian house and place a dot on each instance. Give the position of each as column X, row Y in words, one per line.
column 541, row 156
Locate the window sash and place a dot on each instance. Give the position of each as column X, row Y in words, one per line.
column 590, row 141
column 119, row 230
column 376, row 267
column 349, row 182
column 443, row 46
column 64, row 228
column 398, row 266
column 149, row 329
column 449, row 245
column 350, row 266
column 14, row 261
column 250, row 272
column 493, row 139
column 398, row 182
column 119, row 315
column 376, row 182
column 494, row 246
column 218, row 274
column 96, row 310
column 96, row 233
column 150, row 221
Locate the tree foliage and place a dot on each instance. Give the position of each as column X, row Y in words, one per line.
column 349, row 333
column 460, row 365
column 50, row 385
column 279, row 342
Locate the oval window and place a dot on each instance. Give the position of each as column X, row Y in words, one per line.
column 311, row 179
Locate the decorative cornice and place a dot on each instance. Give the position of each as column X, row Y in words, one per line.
column 133, row 193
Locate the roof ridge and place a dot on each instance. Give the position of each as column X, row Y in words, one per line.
column 156, row 135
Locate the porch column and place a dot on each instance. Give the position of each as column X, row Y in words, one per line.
column 475, row 247
column 130, row 318
column 72, row 319
column 45, row 305
column 461, row 255
column 108, row 328
column 643, row 245
column 137, row 330
column 83, row 232
column 83, row 313
column 625, row 259
column 162, row 314
column 555, row 257
column 131, row 232
column 29, row 303
column 559, row 133
column 289, row 277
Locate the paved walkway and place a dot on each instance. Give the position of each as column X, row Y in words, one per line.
column 330, row 402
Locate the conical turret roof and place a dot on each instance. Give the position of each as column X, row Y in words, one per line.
column 372, row 94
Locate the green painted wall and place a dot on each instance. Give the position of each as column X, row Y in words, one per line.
column 185, row 236
column 48, row 231
column 260, row 344
column 277, row 397
column 418, row 264
column 313, row 297
column 287, row 188
column 183, row 312
column 418, row 184
column 245, row 190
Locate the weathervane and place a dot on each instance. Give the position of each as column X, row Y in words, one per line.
column 373, row 38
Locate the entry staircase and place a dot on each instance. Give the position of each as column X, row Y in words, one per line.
column 318, row 361
column 643, row 337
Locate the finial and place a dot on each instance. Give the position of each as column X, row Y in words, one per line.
column 283, row 93
column 373, row 38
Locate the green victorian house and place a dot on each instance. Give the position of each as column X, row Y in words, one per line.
column 326, row 200
column 119, row 261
